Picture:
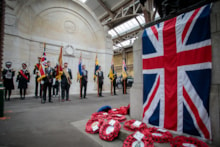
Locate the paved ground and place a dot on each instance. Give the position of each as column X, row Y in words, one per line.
column 33, row 124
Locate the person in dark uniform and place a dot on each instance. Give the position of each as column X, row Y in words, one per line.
column 100, row 78
column 36, row 74
column 66, row 82
column 124, row 85
column 55, row 82
column 84, row 81
column 48, row 82
column 8, row 74
column 114, row 82
column 23, row 78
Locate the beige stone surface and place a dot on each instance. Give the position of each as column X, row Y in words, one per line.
column 57, row 23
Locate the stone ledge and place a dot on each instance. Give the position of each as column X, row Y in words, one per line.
column 118, row 142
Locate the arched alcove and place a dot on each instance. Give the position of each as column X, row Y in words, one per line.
column 57, row 23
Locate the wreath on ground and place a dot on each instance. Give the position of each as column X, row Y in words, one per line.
column 159, row 135
column 117, row 117
column 99, row 115
column 109, row 130
column 138, row 139
column 181, row 141
column 123, row 110
column 93, row 125
column 134, row 125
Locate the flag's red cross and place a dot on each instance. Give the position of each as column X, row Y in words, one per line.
column 170, row 61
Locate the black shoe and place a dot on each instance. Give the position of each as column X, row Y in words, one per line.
column 115, row 94
column 85, row 97
column 50, row 101
column 8, row 99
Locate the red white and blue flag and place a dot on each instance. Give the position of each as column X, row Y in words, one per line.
column 177, row 63
column 43, row 63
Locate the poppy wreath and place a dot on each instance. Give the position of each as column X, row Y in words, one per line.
column 99, row 115
column 117, row 117
column 93, row 125
column 159, row 135
column 134, row 125
column 123, row 110
column 181, row 141
column 109, row 130
column 131, row 141
column 114, row 111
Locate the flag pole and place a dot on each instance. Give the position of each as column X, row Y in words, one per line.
column 124, row 87
column 111, row 87
column 59, row 91
column 42, row 85
column 80, row 88
column 41, row 89
column 97, row 86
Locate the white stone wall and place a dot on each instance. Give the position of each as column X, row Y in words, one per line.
column 30, row 23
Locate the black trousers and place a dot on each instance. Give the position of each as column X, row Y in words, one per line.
column 45, row 87
column 55, row 90
column 36, row 88
column 24, row 92
column 114, row 86
column 65, row 91
column 84, row 84
column 7, row 91
column 100, row 88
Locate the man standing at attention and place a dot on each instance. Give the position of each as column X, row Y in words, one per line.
column 36, row 74
column 8, row 74
column 100, row 78
column 84, row 80
column 23, row 78
column 66, row 82
column 48, row 82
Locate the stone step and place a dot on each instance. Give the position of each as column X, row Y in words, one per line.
column 124, row 133
column 80, row 125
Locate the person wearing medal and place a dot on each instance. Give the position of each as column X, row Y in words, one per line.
column 36, row 74
column 84, row 81
column 48, row 79
column 23, row 78
column 8, row 74
column 100, row 76
column 114, row 82
column 66, row 82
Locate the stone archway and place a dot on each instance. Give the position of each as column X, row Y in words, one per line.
column 57, row 23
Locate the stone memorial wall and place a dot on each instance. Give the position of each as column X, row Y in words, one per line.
column 67, row 23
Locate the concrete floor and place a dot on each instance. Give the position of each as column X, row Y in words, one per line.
column 33, row 124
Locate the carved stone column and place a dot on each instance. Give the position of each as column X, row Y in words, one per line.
column 2, row 18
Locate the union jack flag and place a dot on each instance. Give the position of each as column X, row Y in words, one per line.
column 177, row 63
